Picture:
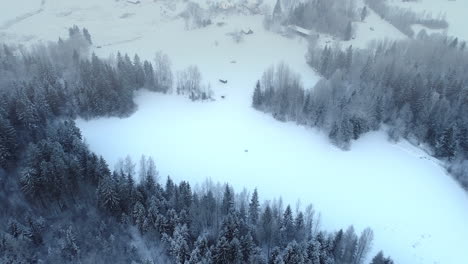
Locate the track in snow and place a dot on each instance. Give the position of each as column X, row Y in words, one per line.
column 23, row 17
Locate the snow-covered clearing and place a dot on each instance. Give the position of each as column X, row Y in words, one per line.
column 418, row 212
column 408, row 200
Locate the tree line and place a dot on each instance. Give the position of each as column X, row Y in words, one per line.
column 329, row 17
column 62, row 204
column 416, row 87
column 403, row 19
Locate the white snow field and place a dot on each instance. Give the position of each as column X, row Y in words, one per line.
column 417, row 211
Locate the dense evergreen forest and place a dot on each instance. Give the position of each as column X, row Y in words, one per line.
column 415, row 89
column 62, row 204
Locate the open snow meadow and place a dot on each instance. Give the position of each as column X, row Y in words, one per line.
column 400, row 191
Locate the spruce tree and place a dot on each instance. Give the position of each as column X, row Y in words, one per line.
column 257, row 99
column 254, row 207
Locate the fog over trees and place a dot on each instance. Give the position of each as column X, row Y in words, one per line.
column 62, row 204
column 415, row 89
column 330, row 17
column 403, row 19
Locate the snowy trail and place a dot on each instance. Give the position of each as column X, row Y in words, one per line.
column 120, row 42
column 23, row 17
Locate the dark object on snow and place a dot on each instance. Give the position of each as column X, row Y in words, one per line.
column 249, row 32
column 222, row 96
column 371, row 29
column 233, row 61
column 206, row 22
column 223, row 81
column 133, row 2
column 246, row 150
column 99, row 47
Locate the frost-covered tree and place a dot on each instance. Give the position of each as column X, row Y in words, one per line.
column 178, row 246
column 254, row 208
column 163, row 78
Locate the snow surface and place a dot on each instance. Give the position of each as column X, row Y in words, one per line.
column 16, row 11
column 373, row 28
column 418, row 213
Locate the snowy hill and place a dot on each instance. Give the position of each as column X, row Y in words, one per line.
column 413, row 206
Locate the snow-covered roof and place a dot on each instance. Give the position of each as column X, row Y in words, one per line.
column 300, row 29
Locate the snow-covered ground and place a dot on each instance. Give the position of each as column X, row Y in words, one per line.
column 18, row 11
column 418, row 212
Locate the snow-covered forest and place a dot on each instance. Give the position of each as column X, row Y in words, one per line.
column 83, row 212
column 233, row 131
column 399, row 84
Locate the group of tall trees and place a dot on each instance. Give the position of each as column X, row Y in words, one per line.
column 62, row 204
column 189, row 83
column 329, row 17
column 403, row 19
column 217, row 226
column 417, row 87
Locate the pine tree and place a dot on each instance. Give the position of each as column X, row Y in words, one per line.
column 277, row 11
column 349, row 58
column 313, row 251
column 254, row 207
column 247, row 247
column 221, row 252
column 8, row 141
column 107, row 195
column 170, row 191
column 150, row 82
column 380, row 259
column 462, row 140
column 139, row 217
column 287, row 226
column 338, row 246
column 454, row 43
column 325, row 62
column 228, row 201
column 348, row 33
column 87, row 36
column 299, row 226
column 178, row 244
column 70, row 249
column 267, row 227
column 275, row 257
column 257, row 99
column 235, row 251
column 31, row 183
column 446, row 143
column 293, row 254
column 363, row 13
column 185, row 195
column 139, row 76
column 201, row 253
